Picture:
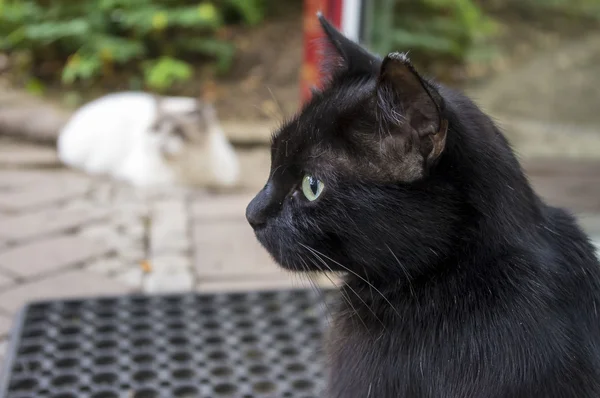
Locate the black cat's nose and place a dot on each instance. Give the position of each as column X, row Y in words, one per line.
column 255, row 214
column 263, row 206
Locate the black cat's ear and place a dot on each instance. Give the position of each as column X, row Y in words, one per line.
column 353, row 58
column 405, row 98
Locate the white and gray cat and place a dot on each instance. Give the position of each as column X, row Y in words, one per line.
column 149, row 140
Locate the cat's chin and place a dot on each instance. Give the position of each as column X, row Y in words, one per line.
column 290, row 259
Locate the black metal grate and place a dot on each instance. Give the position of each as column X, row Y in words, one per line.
column 246, row 345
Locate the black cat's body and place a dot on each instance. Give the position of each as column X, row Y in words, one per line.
column 460, row 281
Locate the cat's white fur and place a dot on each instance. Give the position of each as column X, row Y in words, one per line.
column 116, row 135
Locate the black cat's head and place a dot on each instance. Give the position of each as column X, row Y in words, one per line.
column 355, row 181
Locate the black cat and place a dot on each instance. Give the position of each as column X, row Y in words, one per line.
column 461, row 282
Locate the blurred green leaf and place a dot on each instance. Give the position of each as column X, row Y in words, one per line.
column 35, row 87
column 163, row 73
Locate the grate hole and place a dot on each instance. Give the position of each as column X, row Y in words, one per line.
column 204, row 300
column 144, row 376
column 222, row 371
column 295, row 368
column 208, row 312
column 66, row 363
column 182, row 357
column 23, row 385
column 183, row 374
column 146, row 393
column 106, row 302
column 224, row 390
column 244, row 325
column 68, row 346
column 34, row 319
column 27, row 367
column 214, row 340
column 289, row 352
column 273, row 308
column 283, row 337
column 263, row 387
column 259, row 370
column 70, row 331
column 63, row 395
column 106, row 329
column 105, row 378
column 186, row 392
column 142, row 342
column 174, row 312
column 211, row 325
column 240, row 310
column 141, row 327
column 34, row 333
column 140, row 313
column 179, row 341
column 277, row 322
column 253, row 354
column 249, row 339
column 105, row 394
column 65, row 380
column 217, row 355
column 176, row 325
column 30, row 349
column 105, row 360
column 143, row 359
column 106, row 344
column 302, row 385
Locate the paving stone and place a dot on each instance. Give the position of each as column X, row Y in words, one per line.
column 5, row 281
column 5, row 325
column 43, row 189
column 273, row 282
column 229, row 248
column 107, row 265
column 163, row 282
column 109, row 236
column 131, row 254
column 47, row 221
column 50, row 254
column 170, row 263
column 69, row 284
column 132, row 277
column 168, row 232
column 219, row 208
column 15, row 179
column 27, row 155
column 580, row 194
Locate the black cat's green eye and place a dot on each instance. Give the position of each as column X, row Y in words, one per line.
column 311, row 187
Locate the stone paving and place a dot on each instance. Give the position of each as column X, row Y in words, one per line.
column 63, row 234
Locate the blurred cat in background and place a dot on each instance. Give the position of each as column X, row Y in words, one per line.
column 148, row 140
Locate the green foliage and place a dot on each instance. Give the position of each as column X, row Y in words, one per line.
column 156, row 39
column 165, row 72
column 452, row 28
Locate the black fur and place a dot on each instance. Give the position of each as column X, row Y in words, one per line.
column 460, row 281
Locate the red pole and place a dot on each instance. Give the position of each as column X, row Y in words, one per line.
column 332, row 9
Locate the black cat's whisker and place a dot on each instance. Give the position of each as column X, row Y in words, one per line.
column 345, row 296
column 403, row 268
column 282, row 114
column 359, row 277
column 348, row 286
column 317, row 289
column 313, row 283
